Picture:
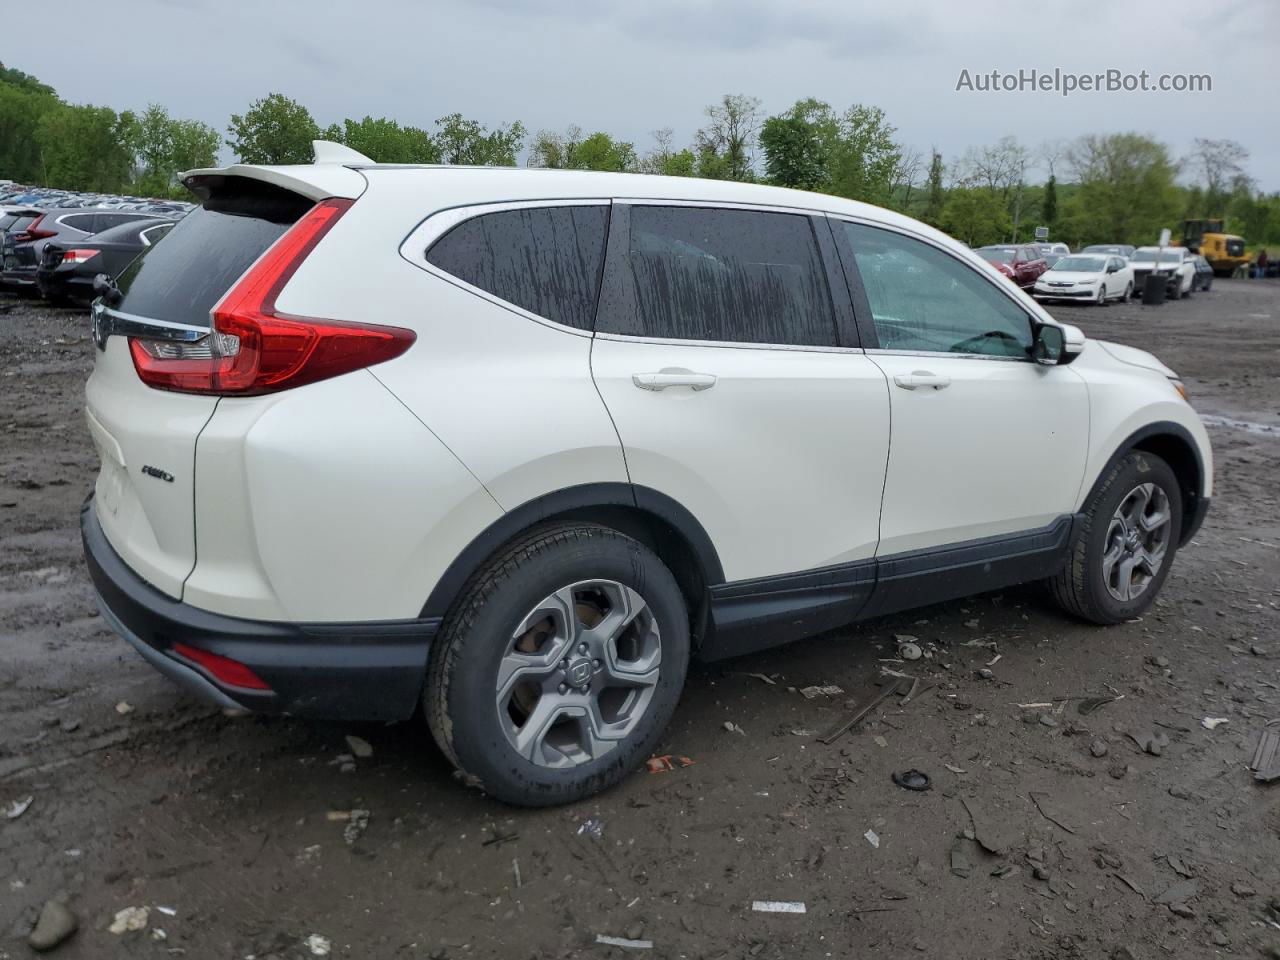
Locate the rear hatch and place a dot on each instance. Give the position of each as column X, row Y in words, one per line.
column 146, row 437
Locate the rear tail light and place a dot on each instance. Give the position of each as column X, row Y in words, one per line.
column 254, row 349
column 231, row 673
column 78, row 256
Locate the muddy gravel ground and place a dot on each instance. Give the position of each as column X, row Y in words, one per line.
column 236, row 833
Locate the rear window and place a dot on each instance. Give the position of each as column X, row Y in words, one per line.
column 124, row 232
column 22, row 221
column 546, row 259
column 181, row 277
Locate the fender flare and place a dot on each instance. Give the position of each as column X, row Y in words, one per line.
column 571, row 501
column 1196, row 504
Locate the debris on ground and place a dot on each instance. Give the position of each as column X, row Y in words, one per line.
column 1266, row 758
column 1099, row 748
column 964, row 854
column 360, row 747
column 124, row 707
column 318, row 945
column 829, row 690
column 890, row 688
column 55, row 924
column 667, row 762
column 1089, row 704
column 764, row 677
column 1212, row 723
column 624, row 942
column 910, row 651
column 18, row 808
column 130, row 919
column 872, row 838
column 734, row 728
column 912, row 780
column 778, row 906
column 1039, row 800
column 995, row 840
column 591, row 827
column 357, row 823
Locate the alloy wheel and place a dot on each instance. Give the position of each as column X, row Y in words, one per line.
column 579, row 673
column 1137, row 542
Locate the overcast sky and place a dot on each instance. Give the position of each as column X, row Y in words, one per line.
column 631, row 66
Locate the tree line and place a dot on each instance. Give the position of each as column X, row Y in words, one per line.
column 1122, row 187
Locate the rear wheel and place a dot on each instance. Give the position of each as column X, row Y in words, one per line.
column 560, row 665
column 1128, row 292
column 1121, row 550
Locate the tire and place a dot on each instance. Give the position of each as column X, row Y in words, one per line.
column 1128, row 293
column 540, row 575
column 1082, row 587
column 1102, row 296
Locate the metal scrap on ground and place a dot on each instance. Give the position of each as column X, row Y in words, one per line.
column 1266, row 758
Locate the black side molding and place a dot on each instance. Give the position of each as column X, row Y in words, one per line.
column 751, row 615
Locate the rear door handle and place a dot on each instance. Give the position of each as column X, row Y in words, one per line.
column 921, row 378
column 673, row 377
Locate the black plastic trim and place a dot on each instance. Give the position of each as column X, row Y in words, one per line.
column 846, row 324
column 751, row 615
column 565, row 503
column 364, row 670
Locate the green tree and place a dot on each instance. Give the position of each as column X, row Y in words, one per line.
column 274, row 129
column 864, row 157
column 87, row 147
column 724, row 144
column 21, row 111
column 571, row 151
column 666, row 161
column 1126, row 191
column 976, row 215
column 166, row 147
column 797, row 145
column 469, row 142
column 12, row 77
column 1049, row 206
column 385, row 141
column 935, row 198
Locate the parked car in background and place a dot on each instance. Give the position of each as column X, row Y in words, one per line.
column 1175, row 264
column 1204, row 273
column 1090, row 277
column 1021, row 263
column 1120, row 249
column 1052, row 251
column 20, row 254
column 66, row 272
column 398, row 513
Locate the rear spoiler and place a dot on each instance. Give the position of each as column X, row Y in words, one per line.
column 328, row 176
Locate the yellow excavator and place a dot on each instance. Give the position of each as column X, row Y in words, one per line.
column 1224, row 251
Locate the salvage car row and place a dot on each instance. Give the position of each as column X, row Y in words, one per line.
column 1100, row 273
column 58, row 242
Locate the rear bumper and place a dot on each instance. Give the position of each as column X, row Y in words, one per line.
column 371, row 670
column 64, row 283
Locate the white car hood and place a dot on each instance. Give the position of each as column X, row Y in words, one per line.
column 1135, row 357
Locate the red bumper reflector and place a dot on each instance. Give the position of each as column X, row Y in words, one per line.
column 231, row 673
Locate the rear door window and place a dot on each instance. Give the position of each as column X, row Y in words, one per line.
column 84, row 222
column 182, row 279
column 722, row 275
column 545, row 260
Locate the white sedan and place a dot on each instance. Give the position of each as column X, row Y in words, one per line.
column 1093, row 278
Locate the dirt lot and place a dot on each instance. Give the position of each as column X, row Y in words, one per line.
column 226, row 822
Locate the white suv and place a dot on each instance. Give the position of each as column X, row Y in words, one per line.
column 515, row 444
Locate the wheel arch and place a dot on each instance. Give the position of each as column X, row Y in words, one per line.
column 653, row 518
column 1174, row 444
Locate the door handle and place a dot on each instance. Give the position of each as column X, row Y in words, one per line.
column 921, row 378
column 673, row 377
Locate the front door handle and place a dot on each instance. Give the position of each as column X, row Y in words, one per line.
column 673, row 377
column 921, row 378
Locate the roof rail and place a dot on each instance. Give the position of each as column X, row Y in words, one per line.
column 326, row 151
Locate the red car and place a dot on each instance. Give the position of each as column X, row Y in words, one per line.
column 1021, row 263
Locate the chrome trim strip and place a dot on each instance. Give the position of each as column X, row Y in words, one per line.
column 106, row 321
column 948, row 355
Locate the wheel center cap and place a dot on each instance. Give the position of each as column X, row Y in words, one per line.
column 579, row 672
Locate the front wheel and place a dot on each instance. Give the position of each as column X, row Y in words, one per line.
column 560, row 665
column 1122, row 548
column 1102, row 296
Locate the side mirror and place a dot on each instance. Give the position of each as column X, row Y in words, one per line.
column 1057, row 344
